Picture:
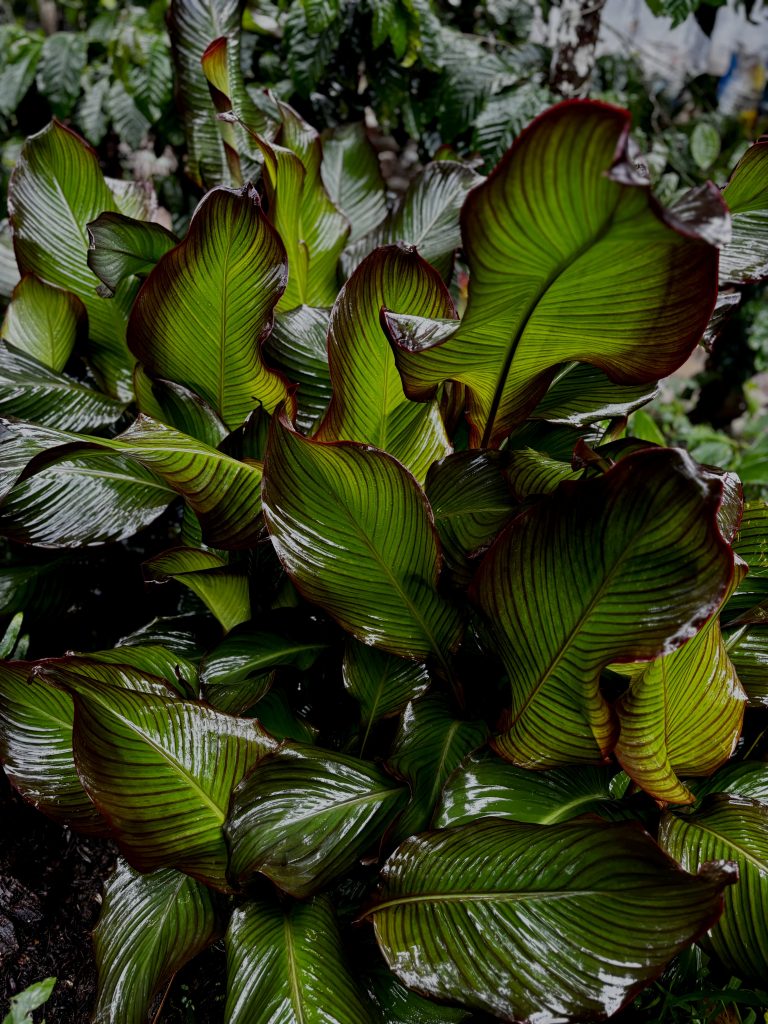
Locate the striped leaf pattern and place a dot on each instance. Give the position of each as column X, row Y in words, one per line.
column 298, row 347
column 161, row 771
column 533, row 473
column 178, row 407
column 747, row 779
column 44, row 322
column 381, row 683
column 682, row 715
column 398, row 1005
column 355, row 533
column 539, row 922
column 305, row 816
column 430, row 744
column 55, row 190
column 735, row 829
column 745, row 259
column 121, row 246
column 286, row 965
column 570, row 259
column 30, row 391
column 352, row 177
column 748, row 651
column 580, row 394
column 150, row 926
column 368, row 403
column 148, row 660
column 201, row 315
column 222, row 588
column 638, row 544
column 486, row 786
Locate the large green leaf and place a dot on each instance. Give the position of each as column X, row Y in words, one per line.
column 381, row 683
column 368, row 404
column 121, row 246
column 354, row 532
column 747, row 779
column 30, row 391
column 352, row 177
column 570, row 259
column 36, row 748
column 298, row 347
column 430, row 744
column 56, row 189
column 161, row 771
column 486, row 786
column 539, row 922
column 286, row 965
column 748, row 650
column 193, row 25
column 745, row 258
column 682, row 715
column 178, row 407
column 204, row 310
column 44, row 322
column 153, row 659
column 150, row 926
column 735, row 829
column 305, row 816
column 639, row 543
column 222, row 588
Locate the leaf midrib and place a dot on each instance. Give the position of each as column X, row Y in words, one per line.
column 490, row 896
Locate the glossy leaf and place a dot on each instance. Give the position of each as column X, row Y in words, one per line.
column 36, row 748
column 430, row 744
column 44, row 322
column 192, row 26
column 178, row 407
column 239, row 671
column 397, row 1005
column 381, row 683
column 531, row 473
column 298, row 347
column 539, row 922
column 354, row 532
column 639, row 543
column 368, row 404
column 352, row 177
column 751, row 541
column 746, row 257
column 748, row 650
column 222, row 588
column 202, row 313
column 275, row 713
column 161, row 771
column 150, row 926
column 486, row 786
column 305, row 816
column 596, row 271
column 730, row 828
column 56, row 189
column 152, row 659
column 119, row 247
column 581, row 394
column 286, row 965
column 30, row 391
column 747, row 779
column 682, row 715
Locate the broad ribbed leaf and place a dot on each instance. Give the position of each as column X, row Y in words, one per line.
column 30, row 391
column 202, row 313
column 682, row 715
column 368, row 403
column 193, row 25
column 531, row 474
column 399, row 1006
column 56, row 189
column 352, row 176
column 638, row 544
column 355, row 533
column 746, row 257
column 381, row 683
column 539, row 922
column 471, row 501
column 120, row 247
column 748, row 650
column 581, row 394
column 485, row 786
column 748, row 779
column 298, row 347
column 84, row 497
column 735, row 829
column 275, row 713
column 430, row 744
column 36, row 748
column 570, row 259
column 751, row 541
column 237, row 673
column 305, row 816
column 286, row 965
column 150, row 926
column 152, row 659
column 44, row 322
column 222, row 588
column 161, row 771
column 178, row 407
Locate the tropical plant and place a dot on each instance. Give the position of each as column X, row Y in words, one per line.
column 456, row 713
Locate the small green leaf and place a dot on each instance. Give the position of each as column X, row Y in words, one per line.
column 748, row 650
column 581, row 394
column 178, row 407
column 222, row 588
column 748, row 779
column 705, row 145
column 381, row 683
column 745, row 259
column 62, row 61
column 120, row 246
column 44, row 322
column 298, row 347
column 33, row 997
column 305, row 816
